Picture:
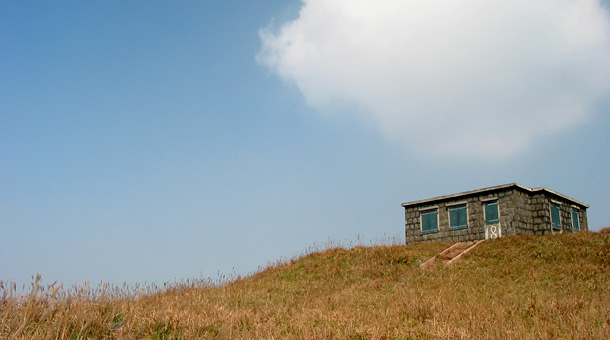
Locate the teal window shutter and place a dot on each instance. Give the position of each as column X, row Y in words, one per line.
column 453, row 220
column 458, row 217
column 555, row 216
column 429, row 221
column 491, row 213
column 575, row 221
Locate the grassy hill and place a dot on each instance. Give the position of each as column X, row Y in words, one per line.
column 512, row 288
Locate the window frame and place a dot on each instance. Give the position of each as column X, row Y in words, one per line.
column 485, row 204
column 421, row 221
column 455, row 207
column 577, row 224
column 555, row 226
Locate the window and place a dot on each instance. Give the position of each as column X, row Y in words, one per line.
column 491, row 213
column 429, row 221
column 458, row 217
column 555, row 216
column 575, row 221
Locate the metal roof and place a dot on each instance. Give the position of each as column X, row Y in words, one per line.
column 492, row 189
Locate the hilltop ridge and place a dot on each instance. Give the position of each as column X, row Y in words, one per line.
column 519, row 287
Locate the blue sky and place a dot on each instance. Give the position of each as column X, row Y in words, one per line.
column 154, row 141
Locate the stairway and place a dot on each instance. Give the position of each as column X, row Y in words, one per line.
column 451, row 254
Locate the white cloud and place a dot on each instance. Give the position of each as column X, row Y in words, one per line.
column 476, row 77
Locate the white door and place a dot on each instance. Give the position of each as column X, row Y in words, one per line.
column 493, row 231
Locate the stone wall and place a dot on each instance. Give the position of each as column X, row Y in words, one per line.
column 474, row 231
column 541, row 215
column 520, row 214
column 541, row 211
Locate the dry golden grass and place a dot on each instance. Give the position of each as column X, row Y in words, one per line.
column 552, row 287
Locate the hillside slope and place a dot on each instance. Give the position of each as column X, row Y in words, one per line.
column 511, row 288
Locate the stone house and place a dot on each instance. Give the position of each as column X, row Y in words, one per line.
column 510, row 209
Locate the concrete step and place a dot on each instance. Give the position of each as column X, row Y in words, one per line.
column 451, row 254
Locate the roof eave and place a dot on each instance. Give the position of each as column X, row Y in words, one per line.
column 465, row 193
column 567, row 198
column 492, row 189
